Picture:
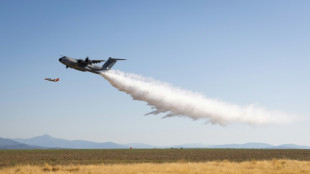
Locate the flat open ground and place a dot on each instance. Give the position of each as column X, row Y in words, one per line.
column 125, row 156
column 212, row 167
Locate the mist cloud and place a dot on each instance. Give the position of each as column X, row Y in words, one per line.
column 173, row 101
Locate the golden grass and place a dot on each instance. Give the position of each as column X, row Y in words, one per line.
column 215, row 167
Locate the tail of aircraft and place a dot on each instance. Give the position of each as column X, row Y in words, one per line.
column 57, row 80
column 109, row 63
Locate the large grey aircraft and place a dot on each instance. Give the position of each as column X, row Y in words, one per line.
column 87, row 64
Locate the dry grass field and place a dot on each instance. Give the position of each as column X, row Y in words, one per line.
column 214, row 167
column 215, row 161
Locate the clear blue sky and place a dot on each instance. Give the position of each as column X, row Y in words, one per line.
column 241, row 52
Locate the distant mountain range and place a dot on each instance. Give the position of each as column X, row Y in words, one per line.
column 49, row 142
column 11, row 144
column 259, row 146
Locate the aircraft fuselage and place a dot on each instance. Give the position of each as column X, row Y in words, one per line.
column 87, row 64
column 73, row 63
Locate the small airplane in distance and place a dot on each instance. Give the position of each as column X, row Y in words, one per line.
column 87, row 64
column 52, row 80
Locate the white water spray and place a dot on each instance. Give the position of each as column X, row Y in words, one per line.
column 173, row 101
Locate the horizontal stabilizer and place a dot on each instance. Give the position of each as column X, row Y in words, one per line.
column 116, row 58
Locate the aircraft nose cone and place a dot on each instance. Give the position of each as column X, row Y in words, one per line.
column 60, row 59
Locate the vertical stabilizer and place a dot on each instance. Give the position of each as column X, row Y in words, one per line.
column 109, row 63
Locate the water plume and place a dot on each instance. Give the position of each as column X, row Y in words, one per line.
column 173, row 101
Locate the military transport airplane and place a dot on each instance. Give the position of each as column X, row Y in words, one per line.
column 52, row 80
column 87, row 64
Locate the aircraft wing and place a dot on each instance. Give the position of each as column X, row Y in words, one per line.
column 97, row 61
